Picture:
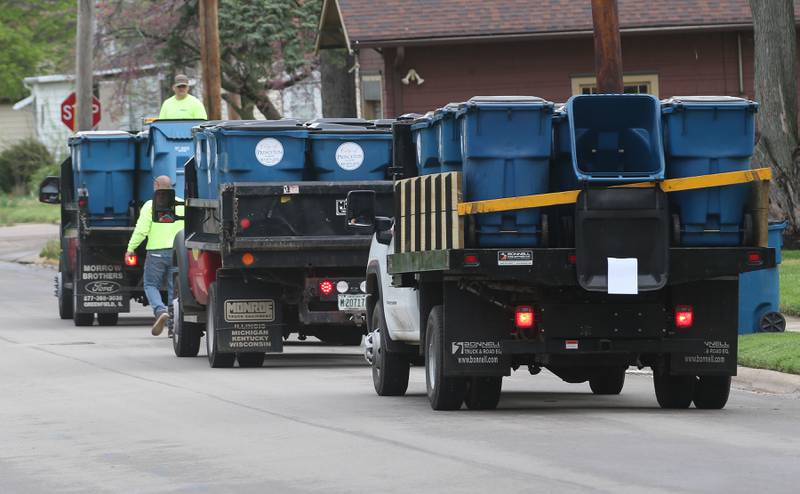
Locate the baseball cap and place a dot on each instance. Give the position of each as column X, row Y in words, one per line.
column 181, row 80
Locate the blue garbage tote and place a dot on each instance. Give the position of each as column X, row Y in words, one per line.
column 170, row 146
column 759, row 291
column 104, row 167
column 448, row 134
column 702, row 135
column 255, row 151
column 507, row 144
column 202, row 159
column 616, row 138
column 562, row 174
column 358, row 122
column 426, row 140
column 383, row 123
column 348, row 152
column 562, row 177
column 144, row 173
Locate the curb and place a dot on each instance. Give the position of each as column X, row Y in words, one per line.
column 766, row 381
column 755, row 380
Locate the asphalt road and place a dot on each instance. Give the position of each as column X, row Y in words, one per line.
column 112, row 410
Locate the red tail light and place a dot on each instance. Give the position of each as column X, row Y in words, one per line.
column 131, row 260
column 684, row 316
column 572, row 259
column 83, row 197
column 326, row 287
column 524, row 317
column 754, row 259
column 471, row 260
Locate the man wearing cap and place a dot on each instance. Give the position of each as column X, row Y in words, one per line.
column 182, row 106
column 158, row 264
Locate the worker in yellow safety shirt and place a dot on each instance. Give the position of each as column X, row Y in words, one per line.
column 158, row 264
column 182, row 106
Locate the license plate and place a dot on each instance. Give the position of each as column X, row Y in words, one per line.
column 352, row 302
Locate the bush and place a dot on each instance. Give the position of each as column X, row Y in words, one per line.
column 19, row 163
column 52, row 169
column 51, row 250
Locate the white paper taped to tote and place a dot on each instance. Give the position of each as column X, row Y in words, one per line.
column 623, row 276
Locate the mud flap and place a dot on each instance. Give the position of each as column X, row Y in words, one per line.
column 716, row 321
column 473, row 338
column 101, row 284
column 250, row 315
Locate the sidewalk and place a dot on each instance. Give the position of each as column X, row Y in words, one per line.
column 792, row 323
column 22, row 243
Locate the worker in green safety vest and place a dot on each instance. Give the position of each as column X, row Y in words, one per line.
column 182, row 106
column 158, row 264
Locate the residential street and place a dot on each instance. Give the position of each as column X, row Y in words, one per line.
column 113, row 410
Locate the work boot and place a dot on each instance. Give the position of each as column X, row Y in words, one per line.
column 158, row 326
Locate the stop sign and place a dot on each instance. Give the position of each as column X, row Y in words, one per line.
column 68, row 111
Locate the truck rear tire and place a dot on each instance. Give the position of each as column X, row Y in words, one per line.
column 250, row 359
column 608, row 381
column 215, row 359
column 108, row 319
column 66, row 301
column 83, row 318
column 389, row 370
column 711, row 392
column 186, row 336
column 674, row 391
column 444, row 393
column 483, row 393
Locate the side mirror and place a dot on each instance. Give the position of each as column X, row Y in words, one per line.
column 50, row 190
column 361, row 210
column 383, row 230
column 164, row 206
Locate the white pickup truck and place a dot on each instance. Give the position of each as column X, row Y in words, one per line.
column 392, row 343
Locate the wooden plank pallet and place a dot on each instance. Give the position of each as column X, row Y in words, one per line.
column 432, row 215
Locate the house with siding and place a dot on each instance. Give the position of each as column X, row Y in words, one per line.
column 15, row 125
column 422, row 54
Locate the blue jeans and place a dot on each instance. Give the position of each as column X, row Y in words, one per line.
column 157, row 270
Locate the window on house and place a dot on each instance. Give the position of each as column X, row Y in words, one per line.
column 372, row 97
column 633, row 84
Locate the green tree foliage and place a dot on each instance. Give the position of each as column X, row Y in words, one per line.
column 36, row 37
column 264, row 44
column 20, row 162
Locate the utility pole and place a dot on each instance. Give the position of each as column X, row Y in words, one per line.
column 209, row 58
column 607, row 47
column 83, row 65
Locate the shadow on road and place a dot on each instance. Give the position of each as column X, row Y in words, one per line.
column 313, row 360
column 135, row 321
column 535, row 402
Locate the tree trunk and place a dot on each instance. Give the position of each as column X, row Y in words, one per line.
column 776, row 91
column 246, row 111
column 265, row 106
column 338, row 84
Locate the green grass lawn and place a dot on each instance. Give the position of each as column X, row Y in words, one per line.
column 15, row 210
column 51, row 250
column 790, row 283
column 774, row 351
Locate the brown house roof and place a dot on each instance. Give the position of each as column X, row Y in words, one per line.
column 400, row 22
